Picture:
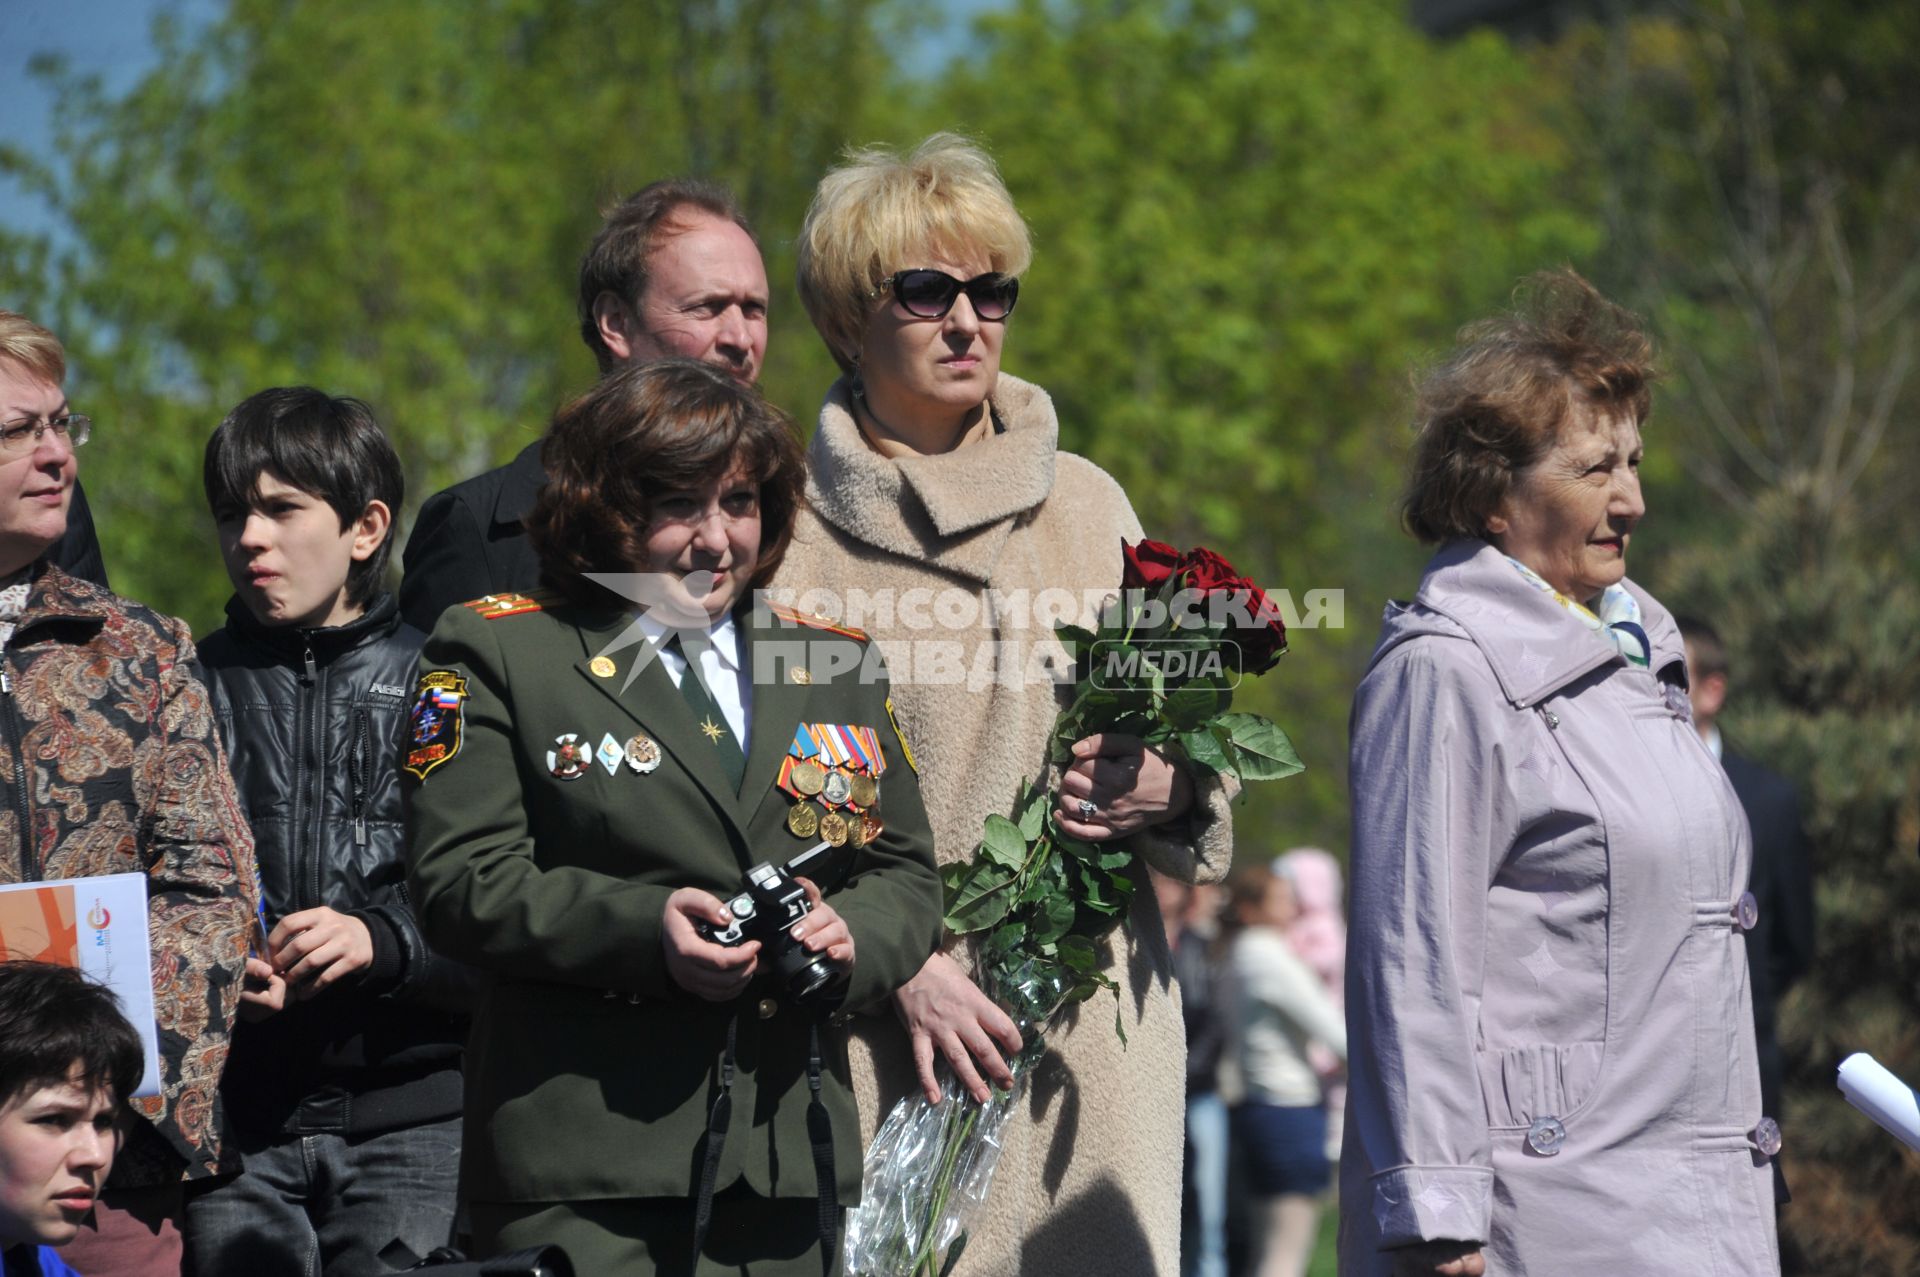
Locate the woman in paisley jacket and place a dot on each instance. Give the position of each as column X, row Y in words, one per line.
column 109, row 764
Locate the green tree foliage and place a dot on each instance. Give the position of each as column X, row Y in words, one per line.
column 1250, row 217
column 1249, row 220
column 391, row 201
column 1824, row 627
column 1757, row 164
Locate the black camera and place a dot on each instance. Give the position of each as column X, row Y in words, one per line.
column 766, row 911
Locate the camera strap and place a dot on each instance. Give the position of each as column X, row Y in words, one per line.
column 820, row 1132
column 718, row 1119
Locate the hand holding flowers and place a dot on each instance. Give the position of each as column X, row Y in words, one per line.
column 1149, row 720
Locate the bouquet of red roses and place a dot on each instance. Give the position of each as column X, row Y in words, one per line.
column 1163, row 666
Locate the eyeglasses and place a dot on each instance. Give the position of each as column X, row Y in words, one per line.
column 929, row 294
column 17, row 438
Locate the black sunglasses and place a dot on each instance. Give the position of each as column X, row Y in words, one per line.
column 929, row 294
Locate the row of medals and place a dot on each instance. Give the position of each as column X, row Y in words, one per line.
column 855, row 790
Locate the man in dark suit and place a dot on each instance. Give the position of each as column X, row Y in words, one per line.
column 1780, row 945
column 674, row 271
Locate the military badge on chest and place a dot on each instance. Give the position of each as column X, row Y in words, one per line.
column 569, row 758
column 833, row 774
column 434, row 726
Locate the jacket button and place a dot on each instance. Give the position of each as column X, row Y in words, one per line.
column 1766, row 1137
column 1546, row 1135
column 767, row 1007
column 1746, row 911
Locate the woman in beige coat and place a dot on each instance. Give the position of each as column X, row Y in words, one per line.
column 942, row 519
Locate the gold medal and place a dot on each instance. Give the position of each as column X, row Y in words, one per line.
column 836, row 789
column 642, row 754
column 802, row 820
column 870, row 828
column 602, row 666
column 863, row 790
column 833, row 828
column 857, row 832
column 808, row 777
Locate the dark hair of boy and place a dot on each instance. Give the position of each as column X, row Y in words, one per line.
column 327, row 445
column 52, row 1018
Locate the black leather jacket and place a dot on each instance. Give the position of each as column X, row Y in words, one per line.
column 313, row 722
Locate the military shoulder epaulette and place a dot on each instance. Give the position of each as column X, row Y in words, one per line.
column 495, row 606
column 816, row 622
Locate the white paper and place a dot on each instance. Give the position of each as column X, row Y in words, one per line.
column 1881, row 1096
column 98, row 925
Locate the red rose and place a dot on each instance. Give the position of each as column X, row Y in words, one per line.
column 1262, row 644
column 1148, row 564
column 1208, row 572
column 1256, row 625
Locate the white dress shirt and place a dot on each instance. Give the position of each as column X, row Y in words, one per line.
column 718, row 650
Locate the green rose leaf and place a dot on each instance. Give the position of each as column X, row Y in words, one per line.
column 1264, row 751
column 1206, row 750
column 1003, row 843
column 1191, row 706
column 981, row 899
column 1055, row 917
column 1033, row 813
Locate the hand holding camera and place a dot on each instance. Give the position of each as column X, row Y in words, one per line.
column 779, row 919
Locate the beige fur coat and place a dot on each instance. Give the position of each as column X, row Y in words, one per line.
column 943, row 559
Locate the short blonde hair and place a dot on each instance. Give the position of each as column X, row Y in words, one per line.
column 871, row 215
column 32, row 347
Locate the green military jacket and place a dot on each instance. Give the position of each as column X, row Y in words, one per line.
column 547, row 862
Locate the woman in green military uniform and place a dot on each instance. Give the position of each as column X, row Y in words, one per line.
column 592, row 770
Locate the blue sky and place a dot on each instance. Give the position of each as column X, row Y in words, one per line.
column 111, row 38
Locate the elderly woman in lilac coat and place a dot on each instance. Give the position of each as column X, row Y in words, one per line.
column 1551, row 1035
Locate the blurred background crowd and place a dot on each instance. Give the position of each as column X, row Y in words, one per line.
column 1255, row 217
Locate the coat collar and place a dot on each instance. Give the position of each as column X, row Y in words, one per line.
column 325, row 642
column 1533, row 645
column 519, row 484
column 954, row 511
column 57, row 597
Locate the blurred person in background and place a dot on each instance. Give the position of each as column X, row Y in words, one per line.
column 1780, row 945
column 933, row 471
column 1280, row 1010
column 111, row 764
column 674, row 272
column 1318, row 933
column 1553, row 1066
column 1191, row 918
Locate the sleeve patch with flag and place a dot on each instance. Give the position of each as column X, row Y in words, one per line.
column 434, row 726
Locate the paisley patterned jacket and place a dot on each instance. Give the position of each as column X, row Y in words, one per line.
column 110, row 763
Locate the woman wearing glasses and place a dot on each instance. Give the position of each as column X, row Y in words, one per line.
column 109, row 764
column 942, row 518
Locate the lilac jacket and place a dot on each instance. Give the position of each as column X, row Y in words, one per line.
column 1550, row 1026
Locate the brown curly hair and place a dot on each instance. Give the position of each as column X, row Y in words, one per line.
column 1496, row 404
column 646, row 430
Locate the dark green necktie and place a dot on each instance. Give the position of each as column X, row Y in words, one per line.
column 713, row 723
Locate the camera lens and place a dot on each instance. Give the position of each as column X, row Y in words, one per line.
column 807, row 976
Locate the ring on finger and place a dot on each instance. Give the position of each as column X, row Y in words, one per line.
column 1088, row 809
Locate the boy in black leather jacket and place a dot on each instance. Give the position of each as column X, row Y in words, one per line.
column 343, row 1088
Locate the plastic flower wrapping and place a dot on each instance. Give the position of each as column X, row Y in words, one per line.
column 1036, row 904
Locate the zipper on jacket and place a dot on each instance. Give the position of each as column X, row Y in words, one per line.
column 307, row 757
column 358, row 758
column 29, row 870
